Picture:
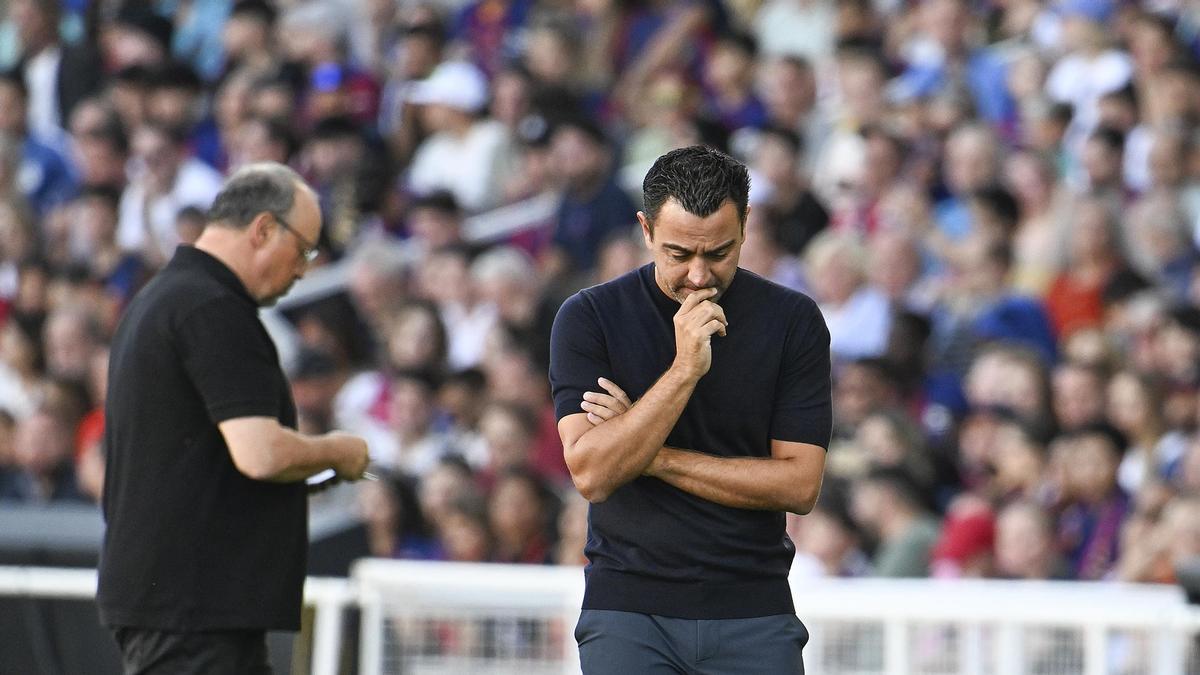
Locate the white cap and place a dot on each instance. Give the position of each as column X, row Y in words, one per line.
column 454, row 83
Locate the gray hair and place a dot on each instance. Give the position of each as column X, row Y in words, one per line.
column 253, row 189
column 505, row 263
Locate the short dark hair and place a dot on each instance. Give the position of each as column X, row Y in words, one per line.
column 254, row 189
column 1115, row 441
column 110, row 195
column 1000, row 203
column 793, row 141
column 258, row 10
column 1113, row 139
column 700, row 178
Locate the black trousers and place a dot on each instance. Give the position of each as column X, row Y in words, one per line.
column 227, row 652
column 625, row 643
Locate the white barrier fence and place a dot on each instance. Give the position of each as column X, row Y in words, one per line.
column 434, row 618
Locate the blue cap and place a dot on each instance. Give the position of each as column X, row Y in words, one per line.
column 327, row 77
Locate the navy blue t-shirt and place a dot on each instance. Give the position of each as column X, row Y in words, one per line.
column 653, row 548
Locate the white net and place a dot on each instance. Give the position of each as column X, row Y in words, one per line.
column 466, row 640
column 422, row 618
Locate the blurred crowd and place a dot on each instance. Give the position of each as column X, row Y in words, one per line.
column 995, row 203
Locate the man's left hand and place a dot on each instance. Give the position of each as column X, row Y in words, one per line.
column 601, row 407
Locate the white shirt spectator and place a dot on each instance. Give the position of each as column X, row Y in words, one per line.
column 799, row 27
column 471, row 167
column 859, row 327
column 196, row 184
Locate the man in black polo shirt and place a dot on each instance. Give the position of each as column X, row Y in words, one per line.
column 688, row 559
column 205, row 498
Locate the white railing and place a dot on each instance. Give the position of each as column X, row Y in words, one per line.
column 427, row 618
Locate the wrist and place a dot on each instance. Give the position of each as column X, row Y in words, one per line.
column 660, row 466
column 683, row 373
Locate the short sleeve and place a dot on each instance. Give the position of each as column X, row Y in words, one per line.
column 231, row 361
column 578, row 355
column 804, row 395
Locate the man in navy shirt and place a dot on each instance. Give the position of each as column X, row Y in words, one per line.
column 688, row 558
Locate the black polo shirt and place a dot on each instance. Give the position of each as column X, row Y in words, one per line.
column 192, row 543
column 651, row 547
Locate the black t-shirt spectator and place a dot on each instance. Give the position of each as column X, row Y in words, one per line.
column 653, row 548
column 192, row 543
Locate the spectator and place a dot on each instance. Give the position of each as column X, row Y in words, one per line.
column 396, row 528
column 248, row 37
column 44, row 454
column 1025, row 546
column 888, row 505
column 857, row 314
column 593, row 207
column 1079, row 397
column 99, row 145
column 166, row 180
column 783, row 182
column 1093, row 257
column 1135, row 408
column 463, row 153
column 45, row 178
column 58, row 76
column 1089, row 527
column 522, row 512
column 414, row 446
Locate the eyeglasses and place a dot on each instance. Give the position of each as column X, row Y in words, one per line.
column 307, row 251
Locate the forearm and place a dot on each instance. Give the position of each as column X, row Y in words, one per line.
column 294, row 456
column 610, row 455
column 767, row 483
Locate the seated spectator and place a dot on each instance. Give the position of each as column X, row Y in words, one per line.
column 729, row 99
column 522, row 513
column 593, row 207
column 460, row 403
column 45, row 460
column 316, row 379
column 964, row 548
column 464, row 154
column 45, row 177
column 165, row 180
column 1079, row 395
column 857, row 314
column 413, row 446
column 396, row 528
column 827, row 541
column 449, row 482
column 1135, row 408
column 463, row 531
column 1090, row 523
column 121, row 272
column 508, row 430
column 1020, row 464
column 99, row 146
column 1025, row 544
column 1074, row 299
column 1174, row 538
column 888, row 505
column 763, row 254
column 782, row 180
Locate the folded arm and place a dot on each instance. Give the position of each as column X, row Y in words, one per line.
column 788, row 480
column 603, row 457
